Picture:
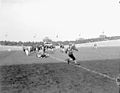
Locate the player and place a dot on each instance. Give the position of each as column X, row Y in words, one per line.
column 62, row 48
column 95, row 45
column 42, row 53
column 118, row 80
column 69, row 51
column 26, row 50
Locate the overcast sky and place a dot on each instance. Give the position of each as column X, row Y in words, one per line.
column 32, row 20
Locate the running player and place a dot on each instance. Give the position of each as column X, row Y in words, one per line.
column 69, row 51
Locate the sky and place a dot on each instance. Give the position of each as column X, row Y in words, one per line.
column 32, row 20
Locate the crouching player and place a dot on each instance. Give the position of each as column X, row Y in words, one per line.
column 69, row 51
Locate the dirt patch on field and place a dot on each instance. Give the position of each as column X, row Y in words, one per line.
column 52, row 78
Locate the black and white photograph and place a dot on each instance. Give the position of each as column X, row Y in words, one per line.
column 59, row 46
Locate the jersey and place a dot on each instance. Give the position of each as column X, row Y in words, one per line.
column 70, row 49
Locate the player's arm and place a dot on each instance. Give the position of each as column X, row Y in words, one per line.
column 74, row 48
column 66, row 50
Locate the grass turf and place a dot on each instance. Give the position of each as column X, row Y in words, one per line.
column 26, row 74
column 52, row 78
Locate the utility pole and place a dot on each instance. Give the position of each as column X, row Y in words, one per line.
column 34, row 36
column 6, row 35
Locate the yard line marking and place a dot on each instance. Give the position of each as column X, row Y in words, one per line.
column 101, row 74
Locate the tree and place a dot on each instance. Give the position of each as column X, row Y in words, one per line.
column 47, row 39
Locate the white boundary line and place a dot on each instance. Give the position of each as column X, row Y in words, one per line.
column 101, row 74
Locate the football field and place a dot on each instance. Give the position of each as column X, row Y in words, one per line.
column 28, row 74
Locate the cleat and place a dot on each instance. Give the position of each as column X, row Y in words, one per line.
column 68, row 60
column 77, row 63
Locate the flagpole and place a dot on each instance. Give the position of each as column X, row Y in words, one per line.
column 56, row 37
column 6, row 37
column 34, row 36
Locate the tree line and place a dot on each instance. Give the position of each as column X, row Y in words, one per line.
column 29, row 43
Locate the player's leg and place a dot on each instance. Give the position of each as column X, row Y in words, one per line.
column 27, row 52
column 68, row 60
column 46, row 55
column 72, row 57
column 63, row 50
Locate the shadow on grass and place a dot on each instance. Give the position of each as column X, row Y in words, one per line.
column 51, row 78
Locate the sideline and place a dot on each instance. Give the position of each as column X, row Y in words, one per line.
column 101, row 74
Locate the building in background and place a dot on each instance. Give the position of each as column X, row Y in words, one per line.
column 102, row 35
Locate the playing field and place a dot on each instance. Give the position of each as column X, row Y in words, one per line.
column 27, row 74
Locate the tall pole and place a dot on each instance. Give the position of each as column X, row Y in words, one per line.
column 34, row 36
column 79, row 35
column 57, row 37
column 6, row 37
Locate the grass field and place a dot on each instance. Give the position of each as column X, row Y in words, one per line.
column 27, row 74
